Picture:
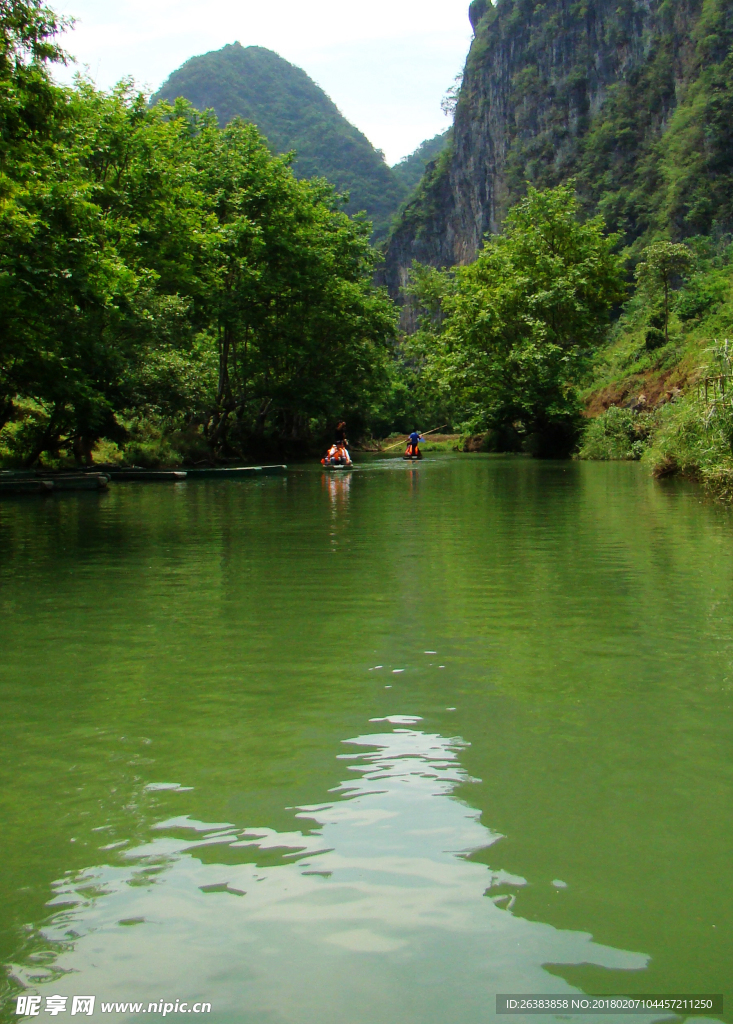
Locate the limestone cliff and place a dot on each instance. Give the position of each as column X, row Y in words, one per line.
column 632, row 98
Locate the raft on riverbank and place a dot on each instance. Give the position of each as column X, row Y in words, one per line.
column 170, row 476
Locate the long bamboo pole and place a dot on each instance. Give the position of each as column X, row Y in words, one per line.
column 425, row 434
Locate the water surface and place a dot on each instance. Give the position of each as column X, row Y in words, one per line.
column 370, row 747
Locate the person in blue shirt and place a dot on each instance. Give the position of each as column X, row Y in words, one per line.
column 413, row 442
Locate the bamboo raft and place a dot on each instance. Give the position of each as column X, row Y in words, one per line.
column 227, row 472
column 34, row 481
column 172, row 476
column 30, row 483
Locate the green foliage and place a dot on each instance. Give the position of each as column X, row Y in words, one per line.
column 426, row 200
column 514, row 331
column 449, row 103
column 148, row 443
column 617, row 434
column 696, row 169
column 161, row 277
column 692, row 443
column 660, row 264
column 690, row 429
column 295, row 116
column 23, row 431
column 694, row 437
column 28, row 32
column 700, row 308
column 417, row 396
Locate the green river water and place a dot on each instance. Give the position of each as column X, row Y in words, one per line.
column 368, row 748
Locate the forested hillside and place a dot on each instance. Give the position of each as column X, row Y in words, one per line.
column 294, row 114
column 411, row 168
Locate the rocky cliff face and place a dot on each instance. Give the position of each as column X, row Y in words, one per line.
column 632, row 98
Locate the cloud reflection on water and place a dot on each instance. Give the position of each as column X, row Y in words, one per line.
column 370, row 911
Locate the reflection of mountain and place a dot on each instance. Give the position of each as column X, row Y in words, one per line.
column 383, row 870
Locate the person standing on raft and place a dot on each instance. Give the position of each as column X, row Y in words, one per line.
column 338, row 453
column 413, row 442
column 342, row 441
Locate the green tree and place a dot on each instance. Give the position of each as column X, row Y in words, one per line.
column 300, row 331
column 522, row 320
column 660, row 264
column 28, row 43
column 28, row 112
column 94, row 261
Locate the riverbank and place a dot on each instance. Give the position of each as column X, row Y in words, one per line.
column 665, row 396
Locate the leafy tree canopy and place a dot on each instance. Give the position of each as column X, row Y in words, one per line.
column 660, row 264
column 516, row 328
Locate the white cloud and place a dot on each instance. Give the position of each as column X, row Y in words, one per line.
column 385, row 64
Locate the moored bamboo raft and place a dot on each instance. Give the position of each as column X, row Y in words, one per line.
column 39, row 481
column 24, row 485
column 171, row 476
column 30, row 483
column 226, row 472
column 79, row 481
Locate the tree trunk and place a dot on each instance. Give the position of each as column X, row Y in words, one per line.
column 6, row 412
column 82, row 448
column 220, row 429
column 224, row 401
column 262, row 417
column 224, row 390
column 666, row 310
column 49, row 435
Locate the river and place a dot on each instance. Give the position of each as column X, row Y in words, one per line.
column 371, row 747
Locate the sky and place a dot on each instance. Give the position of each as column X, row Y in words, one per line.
column 385, row 63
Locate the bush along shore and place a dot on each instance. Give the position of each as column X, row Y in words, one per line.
column 662, row 389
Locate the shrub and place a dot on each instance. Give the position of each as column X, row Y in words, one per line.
column 148, row 445
column 693, row 440
column 654, row 338
column 617, row 434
